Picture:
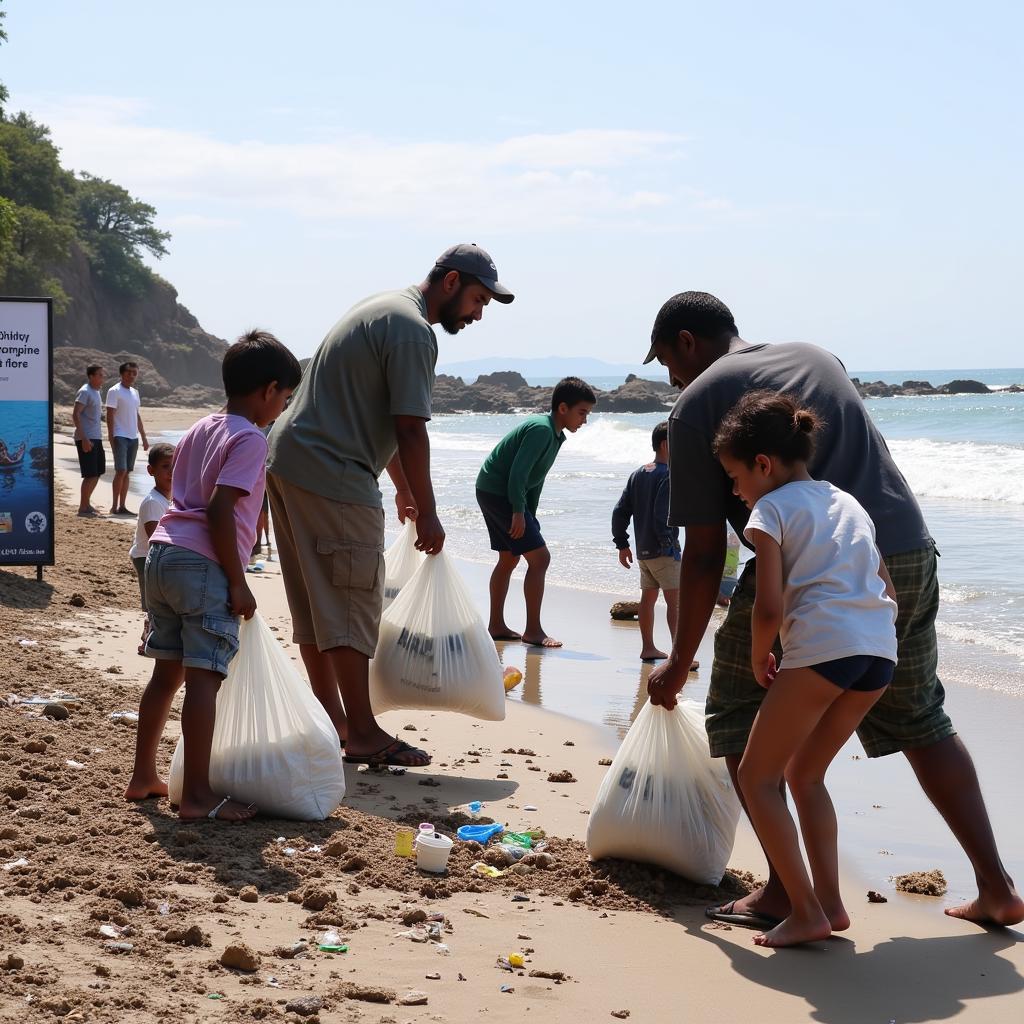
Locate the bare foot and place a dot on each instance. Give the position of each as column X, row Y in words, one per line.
column 985, row 910
column 793, row 931
column 652, row 654
column 503, row 633
column 837, row 916
column 143, row 789
column 222, row 809
column 543, row 640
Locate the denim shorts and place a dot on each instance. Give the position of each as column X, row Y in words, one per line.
column 189, row 609
column 125, row 450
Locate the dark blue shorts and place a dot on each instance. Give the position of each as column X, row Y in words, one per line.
column 497, row 511
column 862, row 672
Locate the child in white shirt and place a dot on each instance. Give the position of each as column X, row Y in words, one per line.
column 823, row 589
column 154, row 505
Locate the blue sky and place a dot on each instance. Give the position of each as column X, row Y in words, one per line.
column 842, row 173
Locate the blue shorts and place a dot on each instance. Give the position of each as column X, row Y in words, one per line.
column 497, row 511
column 862, row 672
column 125, row 450
column 189, row 609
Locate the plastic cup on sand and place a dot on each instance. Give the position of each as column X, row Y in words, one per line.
column 432, row 853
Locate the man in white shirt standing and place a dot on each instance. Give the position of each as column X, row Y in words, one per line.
column 124, row 428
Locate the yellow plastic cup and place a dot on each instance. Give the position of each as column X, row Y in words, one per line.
column 403, row 842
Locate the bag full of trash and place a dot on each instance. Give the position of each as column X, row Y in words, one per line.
column 434, row 651
column 401, row 560
column 273, row 744
column 665, row 800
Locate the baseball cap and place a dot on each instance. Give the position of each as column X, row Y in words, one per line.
column 471, row 259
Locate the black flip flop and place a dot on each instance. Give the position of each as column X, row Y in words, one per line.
column 387, row 756
column 744, row 918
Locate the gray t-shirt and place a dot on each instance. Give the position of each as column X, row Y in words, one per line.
column 849, row 450
column 91, row 416
column 338, row 433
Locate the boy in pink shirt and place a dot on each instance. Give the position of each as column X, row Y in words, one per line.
column 195, row 579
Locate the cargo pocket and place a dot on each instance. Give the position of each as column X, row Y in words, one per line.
column 223, row 630
column 353, row 566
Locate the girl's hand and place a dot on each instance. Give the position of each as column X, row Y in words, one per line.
column 765, row 671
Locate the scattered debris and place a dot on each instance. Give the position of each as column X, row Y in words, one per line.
column 922, row 883
column 876, row 897
column 563, row 776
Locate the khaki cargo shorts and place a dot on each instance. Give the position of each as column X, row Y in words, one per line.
column 909, row 714
column 332, row 561
column 659, row 573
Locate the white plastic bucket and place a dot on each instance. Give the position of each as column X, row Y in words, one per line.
column 432, row 852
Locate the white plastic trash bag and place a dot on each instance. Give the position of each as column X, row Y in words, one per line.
column 273, row 744
column 434, row 650
column 665, row 800
column 401, row 560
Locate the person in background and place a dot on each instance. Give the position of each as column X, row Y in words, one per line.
column 363, row 407
column 124, row 428
column 196, row 591
column 154, row 505
column 645, row 500
column 88, row 417
column 508, row 489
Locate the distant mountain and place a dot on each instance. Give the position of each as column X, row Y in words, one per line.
column 548, row 366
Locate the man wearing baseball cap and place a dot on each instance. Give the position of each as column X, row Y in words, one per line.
column 362, row 407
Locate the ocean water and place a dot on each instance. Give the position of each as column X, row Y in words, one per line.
column 963, row 457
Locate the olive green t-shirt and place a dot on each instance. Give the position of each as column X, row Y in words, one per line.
column 338, row 433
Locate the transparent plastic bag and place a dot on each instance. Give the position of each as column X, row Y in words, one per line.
column 273, row 744
column 434, row 651
column 401, row 560
column 665, row 800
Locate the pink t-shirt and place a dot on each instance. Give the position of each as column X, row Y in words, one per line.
column 222, row 449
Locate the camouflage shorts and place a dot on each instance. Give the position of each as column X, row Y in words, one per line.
column 909, row 714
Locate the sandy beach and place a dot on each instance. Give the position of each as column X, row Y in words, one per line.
column 597, row 940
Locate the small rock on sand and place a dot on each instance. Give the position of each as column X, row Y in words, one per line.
column 249, row 894
column 241, row 957
column 307, row 1006
column 56, row 711
column 413, row 916
column 563, row 776
column 876, row 897
column 605, row 761
column 193, row 935
column 413, row 998
column 621, row 1014
column 364, row 993
column 922, row 883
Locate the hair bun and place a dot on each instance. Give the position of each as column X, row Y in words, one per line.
column 804, row 421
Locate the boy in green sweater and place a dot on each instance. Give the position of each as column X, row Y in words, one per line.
column 508, row 490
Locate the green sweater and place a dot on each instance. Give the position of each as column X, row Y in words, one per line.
column 520, row 461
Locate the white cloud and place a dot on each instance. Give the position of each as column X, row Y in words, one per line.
column 521, row 183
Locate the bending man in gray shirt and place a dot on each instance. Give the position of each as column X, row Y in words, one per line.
column 696, row 340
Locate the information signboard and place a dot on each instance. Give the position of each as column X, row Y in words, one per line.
column 26, row 431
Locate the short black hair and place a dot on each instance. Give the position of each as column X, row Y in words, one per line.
column 256, row 360
column 697, row 312
column 127, row 366
column 438, row 274
column 766, row 423
column 159, row 452
column 659, row 434
column 92, row 369
column 572, row 390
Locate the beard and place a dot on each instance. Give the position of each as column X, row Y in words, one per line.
column 449, row 318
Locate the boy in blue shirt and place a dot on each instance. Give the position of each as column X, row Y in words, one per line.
column 508, row 490
column 645, row 501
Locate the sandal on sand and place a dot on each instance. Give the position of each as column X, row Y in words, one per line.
column 727, row 914
column 215, row 812
column 395, row 754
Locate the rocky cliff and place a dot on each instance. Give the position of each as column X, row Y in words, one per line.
column 179, row 362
